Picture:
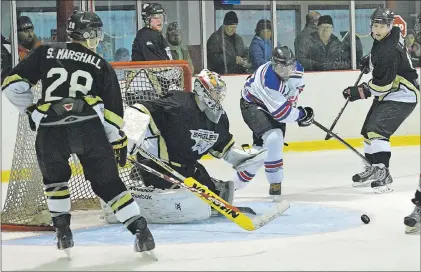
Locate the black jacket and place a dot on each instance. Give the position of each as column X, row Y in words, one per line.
column 6, row 58
column 222, row 51
column 315, row 56
column 150, row 45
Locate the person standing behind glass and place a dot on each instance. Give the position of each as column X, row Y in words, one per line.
column 149, row 43
column 260, row 50
column 225, row 48
column 178, row 51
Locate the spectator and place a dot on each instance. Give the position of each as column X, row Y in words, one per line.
column 414, row 48
column 174, row 38
column 122, row 54
column 312, row 18
column 323, row 51
column 26, row 36
column 260, row 50
column 149, row 43
column 6, row 58
column 346, row 47
column 225, row 48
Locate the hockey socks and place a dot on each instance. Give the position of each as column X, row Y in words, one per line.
column 58, row 198
column 126, row 210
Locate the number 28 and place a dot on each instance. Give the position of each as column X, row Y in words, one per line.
column 74, row 86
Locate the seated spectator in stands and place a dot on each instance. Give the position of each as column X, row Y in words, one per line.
column 312, row 18
column 414, row 48
column 26, row 36
column 346, row 47
column 225, row 48
column 6, row 58
column 260, row 50
column 174, row 38
column 323, row 51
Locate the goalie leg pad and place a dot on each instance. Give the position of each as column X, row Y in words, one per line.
column 170, row 206
column 135, row 127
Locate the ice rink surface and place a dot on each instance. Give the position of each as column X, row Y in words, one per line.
column 321, row 231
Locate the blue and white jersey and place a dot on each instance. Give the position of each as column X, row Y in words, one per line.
column 265, row 89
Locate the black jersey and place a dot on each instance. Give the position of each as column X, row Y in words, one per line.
column 150, row 45
column 185, row 132
column 392, row 69
column 67, row 70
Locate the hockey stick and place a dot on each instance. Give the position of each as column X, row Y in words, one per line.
column 219, row 204
column 328, row 136
column 342, row 141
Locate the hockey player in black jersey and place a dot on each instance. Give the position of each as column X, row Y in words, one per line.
column 181, row 127
column 395, row 88
column 149, row 43
column 80, row 112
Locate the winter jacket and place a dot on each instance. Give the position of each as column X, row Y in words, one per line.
column 346, row 44
column 222, row 51
column 260, row 52
column 304, row 34
column 181, row 53
column 315, row 56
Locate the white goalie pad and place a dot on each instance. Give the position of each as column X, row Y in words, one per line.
column 241, row 160
column 135, row 126
column 172, row 206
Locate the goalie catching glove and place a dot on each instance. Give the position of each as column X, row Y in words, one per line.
column 241, row 160
column 120, row 149
column 361, row 91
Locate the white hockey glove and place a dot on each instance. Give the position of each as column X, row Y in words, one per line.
column 135, row 127
column 241, row 160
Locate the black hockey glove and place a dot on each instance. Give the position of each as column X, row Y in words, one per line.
column 307, row 116
column 365, row 64
column 120, row 149
column 361, row 91
column 29, row 110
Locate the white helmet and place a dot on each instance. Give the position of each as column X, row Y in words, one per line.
column 211, row 89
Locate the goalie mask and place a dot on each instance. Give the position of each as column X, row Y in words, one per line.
column 210, row 89
column 283, row 62
column 85, row 26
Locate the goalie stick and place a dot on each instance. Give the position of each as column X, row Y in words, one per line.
column 328, row 136
column 233, row 213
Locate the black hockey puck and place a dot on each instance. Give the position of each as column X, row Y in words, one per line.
column 365, row 219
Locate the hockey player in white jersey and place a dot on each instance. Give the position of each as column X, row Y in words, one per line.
column 268, row 102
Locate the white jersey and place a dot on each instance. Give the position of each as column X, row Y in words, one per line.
column 265, row 89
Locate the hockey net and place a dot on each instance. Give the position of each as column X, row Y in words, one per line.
column 25, row 207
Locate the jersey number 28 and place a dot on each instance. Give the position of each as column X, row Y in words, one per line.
column 74, row 85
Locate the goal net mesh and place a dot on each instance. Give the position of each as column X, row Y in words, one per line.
column 25, row 204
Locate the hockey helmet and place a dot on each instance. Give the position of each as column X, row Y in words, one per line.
column 283, row 61
column 384, row 16
column 85, row 26
column 149, row 9
column 210, row 88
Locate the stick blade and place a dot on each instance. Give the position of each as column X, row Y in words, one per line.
column 273, row 213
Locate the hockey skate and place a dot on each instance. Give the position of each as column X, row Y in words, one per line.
column 275, row 189
column 383, row 181
column 412, row 221
column 144, row 241
column 364, row 178
column 63, row 233
column 225, row 189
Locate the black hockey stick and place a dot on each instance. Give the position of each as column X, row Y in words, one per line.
column 342, row 141
column 328, row 136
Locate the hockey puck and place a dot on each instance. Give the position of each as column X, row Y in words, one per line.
column 365, row 219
